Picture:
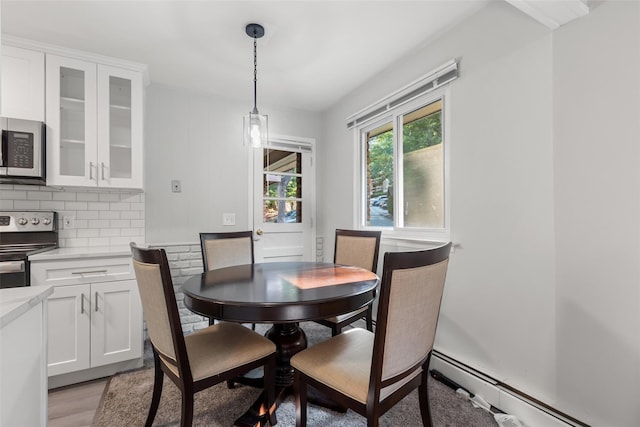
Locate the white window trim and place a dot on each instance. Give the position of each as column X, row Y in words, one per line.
column 417, row 235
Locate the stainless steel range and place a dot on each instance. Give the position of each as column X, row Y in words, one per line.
column 24, row 233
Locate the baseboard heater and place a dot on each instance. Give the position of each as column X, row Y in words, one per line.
column 501, row 397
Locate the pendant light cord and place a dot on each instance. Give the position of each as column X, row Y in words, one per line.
column 255, row 73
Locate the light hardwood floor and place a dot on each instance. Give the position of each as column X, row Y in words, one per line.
column 76, row 405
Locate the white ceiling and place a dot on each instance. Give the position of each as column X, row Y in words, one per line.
column 313, row 52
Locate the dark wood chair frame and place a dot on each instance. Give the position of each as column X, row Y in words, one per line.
column 185, row 381
column 336, row 328
column 374, row 408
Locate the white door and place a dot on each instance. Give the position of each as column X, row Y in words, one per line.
column 284, row 205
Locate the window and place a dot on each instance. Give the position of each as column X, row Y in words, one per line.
column 404, row 170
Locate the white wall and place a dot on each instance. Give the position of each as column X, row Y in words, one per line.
column 522, row 112
column 597, row 153
column 197, row 139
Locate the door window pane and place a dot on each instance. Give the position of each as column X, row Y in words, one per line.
column 282, row 185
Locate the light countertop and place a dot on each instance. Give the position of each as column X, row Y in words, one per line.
column 83, row 252
column 14, row 302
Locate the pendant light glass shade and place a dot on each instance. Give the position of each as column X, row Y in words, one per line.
column 255, row 124
column 255, row 130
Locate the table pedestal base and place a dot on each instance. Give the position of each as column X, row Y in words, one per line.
column 289, row 339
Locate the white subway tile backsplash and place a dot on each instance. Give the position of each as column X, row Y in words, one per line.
column 98, row 206
column 100, row 217
column 119, row 206
column 99, row 241
column 38, row 195
column 109, row 197
column 110, row 232
column 99, row 223
column 131, row 215
column 75, row 206
column 13, row 195
column 67, row 233
column 131, row 231
column 26, row 205
column 76, row 243
column 109, row 214
column 64, row 196
column 51, row 205
column 88, row 197
column 82, row 223
column 120, row 223
column 87, row 215
column 131, row 198
column 88, row 232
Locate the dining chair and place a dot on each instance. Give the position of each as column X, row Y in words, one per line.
column 199, row 360
column 369, row 372
column 358, row 248
column 221, row 250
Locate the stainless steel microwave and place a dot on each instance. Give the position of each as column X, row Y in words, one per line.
column 22, row 160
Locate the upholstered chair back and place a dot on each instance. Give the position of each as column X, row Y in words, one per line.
column 414, row 305
column 221, row 250
column 158, row 301
column 358, row 248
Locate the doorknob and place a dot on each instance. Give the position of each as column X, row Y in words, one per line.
column 259, row 231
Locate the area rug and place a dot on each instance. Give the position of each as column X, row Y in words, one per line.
column 127, row 397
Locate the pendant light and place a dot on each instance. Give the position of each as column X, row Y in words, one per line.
column 255, row 124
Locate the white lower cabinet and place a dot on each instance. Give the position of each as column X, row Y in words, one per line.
column 93, row 323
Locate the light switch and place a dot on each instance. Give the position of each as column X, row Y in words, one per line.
column 176, row 186
column 228, row 219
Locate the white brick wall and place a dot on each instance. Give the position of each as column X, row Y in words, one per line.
column 102, row 217
column 185, row 260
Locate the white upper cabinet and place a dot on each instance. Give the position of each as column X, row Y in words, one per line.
column 95, row 124
column 22, row 84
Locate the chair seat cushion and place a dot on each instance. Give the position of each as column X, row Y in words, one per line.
column 344, row 364
column 221, row 347
column 343, row 317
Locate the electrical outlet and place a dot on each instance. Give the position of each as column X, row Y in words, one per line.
column 228, row 219
column 176, row 186
column 68, row 222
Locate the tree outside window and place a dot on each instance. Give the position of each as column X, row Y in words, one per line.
column 416, row 163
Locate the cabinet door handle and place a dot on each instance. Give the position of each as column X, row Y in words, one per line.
column 96, row 301
column 90, row 171
column 89, row 272
column 81, row 303
column 102, row 171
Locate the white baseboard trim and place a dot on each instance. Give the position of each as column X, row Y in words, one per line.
column 529, row 412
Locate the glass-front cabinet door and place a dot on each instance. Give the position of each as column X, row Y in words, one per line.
column 71, row 121
column 94, row 114
column 119, row 127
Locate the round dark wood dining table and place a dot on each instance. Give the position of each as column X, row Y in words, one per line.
column 282, row 293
